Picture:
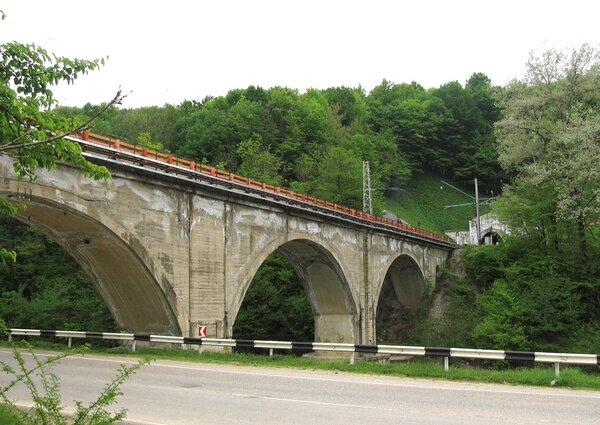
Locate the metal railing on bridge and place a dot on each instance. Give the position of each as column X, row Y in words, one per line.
column 114, row 148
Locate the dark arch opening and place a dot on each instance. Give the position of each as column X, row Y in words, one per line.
column 490, row 238
column 129, row 290
column 276, row 306
column 46, row 288
column 402, row 294
column 321, row 292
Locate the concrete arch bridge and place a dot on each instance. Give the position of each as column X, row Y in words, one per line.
column 171, row 244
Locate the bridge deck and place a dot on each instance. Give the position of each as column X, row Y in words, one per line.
column 112, row 150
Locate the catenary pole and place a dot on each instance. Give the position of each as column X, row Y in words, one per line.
column 478, row 223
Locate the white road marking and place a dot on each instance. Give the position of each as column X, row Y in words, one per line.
column 293, row 400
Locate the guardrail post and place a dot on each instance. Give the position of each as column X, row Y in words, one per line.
column 133, row 346
column 70, row 342
column 446, row 364
column 557, row 370
column 9, row 337
column 352, row 358
column 270, row 352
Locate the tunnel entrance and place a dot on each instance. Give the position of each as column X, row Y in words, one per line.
column 490, row 238
column 402, row 294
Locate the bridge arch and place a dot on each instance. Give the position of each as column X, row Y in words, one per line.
column 331, row 297
column 402, row 290
column 123, row 278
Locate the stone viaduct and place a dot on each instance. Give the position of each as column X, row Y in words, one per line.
column 167, row 253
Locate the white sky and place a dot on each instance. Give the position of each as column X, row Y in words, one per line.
column 168, row 51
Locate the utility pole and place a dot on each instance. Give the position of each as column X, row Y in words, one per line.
column 477, row 212
column 367, row 196
column 478, row 223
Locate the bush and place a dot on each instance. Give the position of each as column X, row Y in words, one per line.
column 46, row 394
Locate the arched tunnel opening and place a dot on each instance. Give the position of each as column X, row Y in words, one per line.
column 300, row 294
column 403, row 296
column 46, row 288
column 490, row 238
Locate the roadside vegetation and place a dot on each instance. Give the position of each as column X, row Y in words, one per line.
column 43, row 385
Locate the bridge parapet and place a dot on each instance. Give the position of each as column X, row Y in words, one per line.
column 116, row 149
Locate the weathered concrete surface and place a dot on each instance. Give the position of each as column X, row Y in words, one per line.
column 167, row 255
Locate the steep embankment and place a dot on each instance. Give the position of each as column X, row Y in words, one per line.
column 422, row 203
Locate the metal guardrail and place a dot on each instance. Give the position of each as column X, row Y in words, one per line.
column 446, row 353
column 116, row 149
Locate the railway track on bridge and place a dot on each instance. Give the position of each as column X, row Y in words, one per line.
column 112, row 150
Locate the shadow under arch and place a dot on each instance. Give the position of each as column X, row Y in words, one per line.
column 402, row 292
column 334, row 311
column 129, row 289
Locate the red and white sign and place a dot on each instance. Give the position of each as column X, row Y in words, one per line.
column 201, row 331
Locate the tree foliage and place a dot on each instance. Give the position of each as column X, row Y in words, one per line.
column 540, row 289
column 400, row 129
column 549, row 138
column 31, row 132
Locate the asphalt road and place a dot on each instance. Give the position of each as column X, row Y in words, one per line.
column 191, row 393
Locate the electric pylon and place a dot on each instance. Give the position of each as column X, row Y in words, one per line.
column 367, row 192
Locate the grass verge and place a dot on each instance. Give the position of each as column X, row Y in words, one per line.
column 577, row 377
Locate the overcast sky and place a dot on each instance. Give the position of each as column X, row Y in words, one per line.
column 168, row 51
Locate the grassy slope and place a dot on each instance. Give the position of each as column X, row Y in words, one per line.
column 422, row 204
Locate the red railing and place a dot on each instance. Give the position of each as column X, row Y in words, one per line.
column 222, row 175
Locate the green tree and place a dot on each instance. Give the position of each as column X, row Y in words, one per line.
column 470, row 131
column 411, row 117
column 351, row 104
column 549, row 139
column 339, row 178
column 501, row 327
column 258, row 163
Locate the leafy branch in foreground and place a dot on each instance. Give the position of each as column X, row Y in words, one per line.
column 46, row 396
column 31, row 131
column 96, row 412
